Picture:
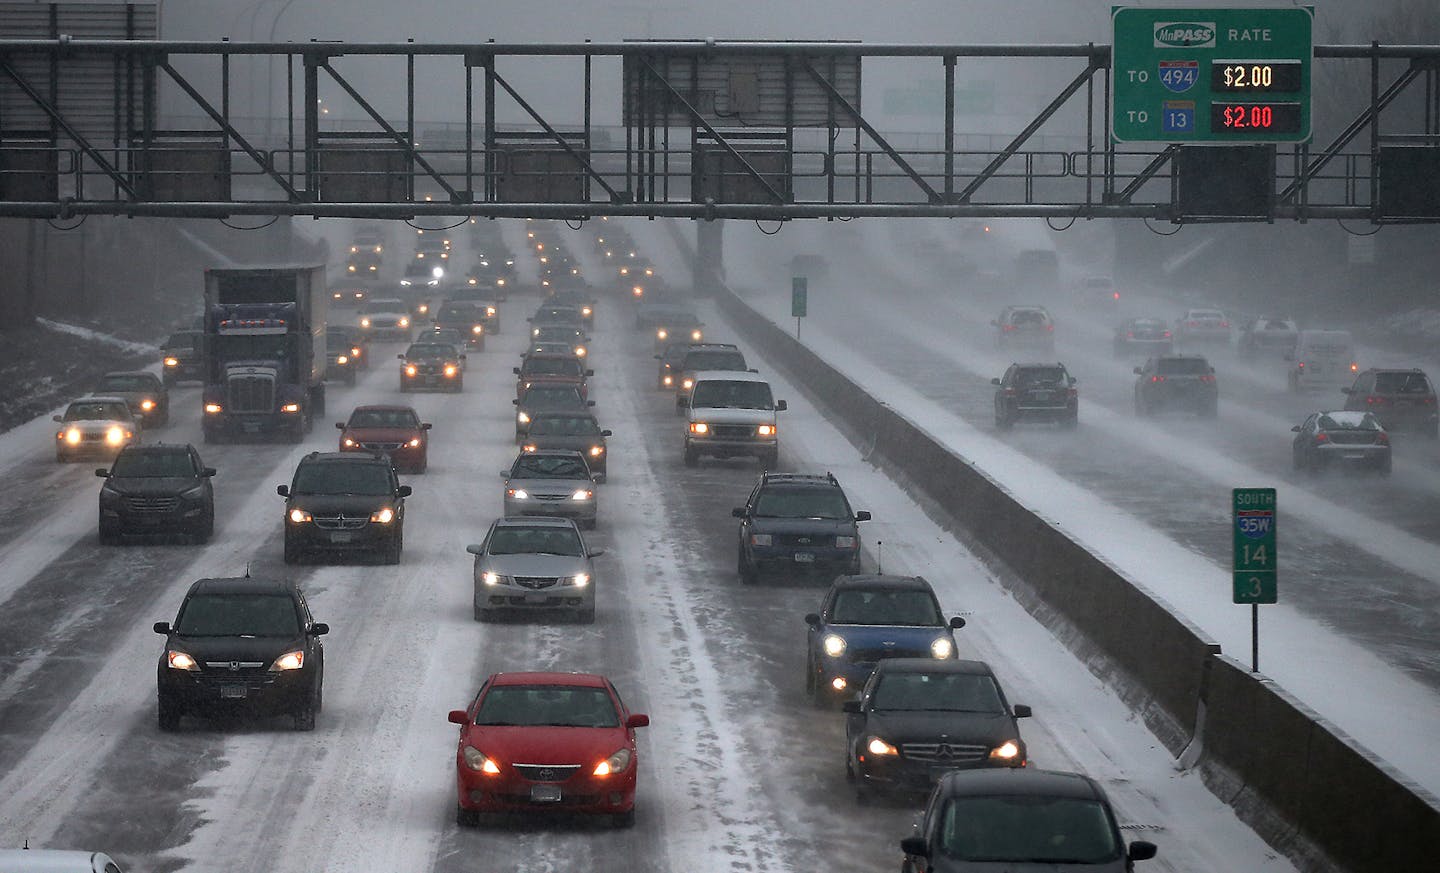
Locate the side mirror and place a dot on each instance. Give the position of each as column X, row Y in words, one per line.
column 425, row 425
column 319, row 629
column 1073, row 380
column 659, row 357
column 737, row 512
column 682, row 401
column 399, row 357
column 995, row 380
column 162, row 627
column 1345, row 390
column 589, row 403
column 1140, row 850
column 339, row 425
column 1295, row 429
column 1136, row 371
column 1289, row 356
column 589, row 372
column 405, row 491
column 282, row 490
column 594, row 553
column 505, row 474
column 915, row 846
column 102, row 472
column 994, row 323
column 813, row 619
column 638, row 719
column 515, row 370
column 474, row 549
column 515, row 402
column 956, row 623
column 862, row 515
column 781, row 406
column 606, row 433
column 208, row 472
column 752, row 370
column 458, row 716
column 463, row 358
column 56, row 418
column 1021, row 710
column 851, row 707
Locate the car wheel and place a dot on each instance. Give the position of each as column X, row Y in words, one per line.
column 1297, row 460
column 770, row 460
column 692, row 457
column 1211, row 410
column 811, row 685
column 350, row 378
column 304, row 716
column 1433, row 431
column 623, row 820
column 849, row 765
column 459, row 386
column 422, row 466
column 586, row 615
column 297, row 433
column 292, row 551
column 168, row 714
column 404, row 388
column 109, row 535
column 167, row 381
column 466, row 818
column 1383, row 468
column 864, row 794
column 1071, row 422
column 393, row 548
column 749, row 573
column 1003, row 423
column 484, row 615
column 206, row 528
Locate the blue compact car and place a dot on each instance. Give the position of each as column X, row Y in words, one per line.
column 869, row 618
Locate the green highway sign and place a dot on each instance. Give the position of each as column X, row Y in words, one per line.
column 1253, row 510
column 1211, row 75
column 799, row 296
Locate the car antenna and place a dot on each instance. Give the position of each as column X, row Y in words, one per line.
column 879, row 550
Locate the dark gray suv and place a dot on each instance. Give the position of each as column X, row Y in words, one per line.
column 343, row 502
column 157, row 489
column 799, row 525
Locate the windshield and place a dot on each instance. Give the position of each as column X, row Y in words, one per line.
column 1028, row 318
column 126, row 383
column 723, row 394
column 1148, row 324
column 1184, row 366
column 714, row 361
column 886, row 607
column 238, row 615
column 1401, row 383
column 97, row 412
column 181, row 341
column 564, row 425
column 384, row 418
column 264, row 347
column 1348, row 421
column 940, row 692
column 550, row 705
column 802, row 503
column 552, row 367
column 431, row 351
column 549, row 467
column 535, row 541
column 145, row 465
column 1028, row 828
column 370, row 480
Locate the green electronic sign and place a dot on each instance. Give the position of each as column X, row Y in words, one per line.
column 1211, row 75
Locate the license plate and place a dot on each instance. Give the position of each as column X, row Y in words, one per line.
column 250, row 426
column 149, row 519
column 343, row 536
column 1040, row 395
column 1354, row 456
column 232, row 692
column 804, row 558
column 545, row 793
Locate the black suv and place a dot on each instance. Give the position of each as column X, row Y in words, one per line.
column 156, row 489
column 341, row 501
column 1037, row 392
column 1184, row 381
column 798, row 524
column 241, row 645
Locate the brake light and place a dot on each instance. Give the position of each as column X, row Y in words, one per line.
column 1322, row 437
column 1007, row 327
column 1381, row 438
column 1049, row 327
column 1207, row 378
column 1167, row 334
column 1428, row 401
column 1073, row 392
column 1354, row 367
column 1157, row 378
column 1374, row 400
column 1115, row 296
column 1300, row 365
column 1129, row 334
column 1224, row 324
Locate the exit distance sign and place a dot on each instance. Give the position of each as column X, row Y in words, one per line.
column 1253, row 513
column 1211, row 75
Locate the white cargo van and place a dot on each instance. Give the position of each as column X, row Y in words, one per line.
column 1322, row 359
column 731, row 414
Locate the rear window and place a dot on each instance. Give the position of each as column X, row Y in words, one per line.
column 1028, row 316
column 1401, row 383
column 1348, row 421
column 126, row 383
column 1036, row 376
column 714, row 361
column 552, row 367
column 1183, row 366
column 826, row 503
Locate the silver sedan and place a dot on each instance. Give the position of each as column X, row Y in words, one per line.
column 534, row 564
column 554, row 482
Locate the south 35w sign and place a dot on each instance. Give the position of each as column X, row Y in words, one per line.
column 1255, row 560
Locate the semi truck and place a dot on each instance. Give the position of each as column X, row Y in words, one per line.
column 264, row 351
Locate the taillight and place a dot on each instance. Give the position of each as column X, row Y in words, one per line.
column 1382, row 439
column 1224, row 324
column 1157, row 378
column 1207, row 378
column 1073, row 392
column 1129, row 334
column 1375, row 400
column 1049, row 327
column 1167, row 334
column 1300, row 365
column 1322, row 437
column 1008, row 327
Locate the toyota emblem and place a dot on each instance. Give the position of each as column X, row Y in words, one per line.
column 547, row 775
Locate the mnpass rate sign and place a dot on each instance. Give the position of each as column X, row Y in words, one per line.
column 1254, row 539
column 1211, row 75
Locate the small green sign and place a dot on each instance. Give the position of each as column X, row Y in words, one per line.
column 1255, row 561
column 799, row 294
column 1211, row 75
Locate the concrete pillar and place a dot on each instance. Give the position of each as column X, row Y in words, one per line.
column 709, row 256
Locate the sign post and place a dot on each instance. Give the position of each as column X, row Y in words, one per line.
column 1212, row 75
column 799, row 300
column 1254, row 566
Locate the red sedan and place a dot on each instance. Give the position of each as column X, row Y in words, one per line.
column 395, row 430
column 542, row 742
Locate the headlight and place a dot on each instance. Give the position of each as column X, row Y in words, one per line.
column 528, row 448
column 477, row 329
column 579, row 580
column 404, row 283
column 490, row 310
column 687, row 384
column 499, row 281
column 877, row 746
column 834, row 645
column 410, row 369
column 194, row 493
column 582, row 494
column 476, row 760
column 180, row 661
column 766, row 430
column 451, row 370
column 414, row 443
column 762, row 540
column 404, row 322
column 172, row 362
column 71, row 436
column 348, row 443
column 535, row 332
column 586, row 312
column 473, row 281
column 518, row 493
column 212, row 408
column 579, row 351
column 116, row 435
column 147, row 404
column 696, row 335
column 699, row 427
column 365, row 322
column 845, row 542
column 523, row 418
column 669, row 380
column 637, row 291
column 597, row 451
column 354, row 250
column 438, row 272
column 1008, row 751
column 355, row 351
column 291, row 408
column 288, row 661
column 343, row 359
column 300, row 516
column 662, row 333
column 383, row 516
column 351, row 268
column 616, row 763
column 942, row 648
column 490, row 578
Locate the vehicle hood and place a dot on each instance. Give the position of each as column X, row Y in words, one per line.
column 881, row 636
column 731, row 415
column 265, row 649
column 822, row 527
column 157, row 486
column 341, row 504
column 549, row 486
column 564, row 442
column 382, row 434
column 96, row 425
column 548, row 745
column 533, row 408
column 534, row 565
column 961, row 728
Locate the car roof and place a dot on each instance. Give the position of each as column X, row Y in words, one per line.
column 551, row 453
column 729, row 376
column 130, row 373
column 343, row 458
column 587, row 680
column 930, row 665
column 534, row 521
column 1174, row 356
column 1051, row 365
column 1022, row 781
column 242, row 585
column 825, row 480
column 1395, row 370
column 53, row 861
column 157, row 449
column 385, row 407
column 98, row 398
column 875, row 580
